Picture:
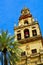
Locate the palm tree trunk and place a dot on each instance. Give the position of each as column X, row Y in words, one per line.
column 5, row 59
column 1, row 58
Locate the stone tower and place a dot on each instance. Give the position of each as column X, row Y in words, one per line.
column 29, row 35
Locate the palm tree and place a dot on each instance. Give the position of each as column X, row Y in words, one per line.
column 1, row 58
column 9, row 48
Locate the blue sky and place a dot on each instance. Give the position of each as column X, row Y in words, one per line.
column 10, row 12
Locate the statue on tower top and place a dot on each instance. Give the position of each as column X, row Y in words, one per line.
column 25, row 11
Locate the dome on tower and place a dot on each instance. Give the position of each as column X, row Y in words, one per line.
column 25, row 11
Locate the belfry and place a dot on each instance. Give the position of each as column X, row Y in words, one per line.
column 29, row 35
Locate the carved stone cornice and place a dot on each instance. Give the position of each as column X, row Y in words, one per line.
column 22, row 26
column 30, row 39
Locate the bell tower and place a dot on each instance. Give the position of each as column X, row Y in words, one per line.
column 25, row 17
column 28, row 34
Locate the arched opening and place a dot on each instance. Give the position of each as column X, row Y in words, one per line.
column 23, row 53
column 19, row 36
column 25, row 22
column 34, row 50
column 26, row 33
column 34, row 32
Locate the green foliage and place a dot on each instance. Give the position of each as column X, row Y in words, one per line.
column 7, row 41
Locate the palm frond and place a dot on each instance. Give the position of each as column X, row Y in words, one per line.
column 7, row 41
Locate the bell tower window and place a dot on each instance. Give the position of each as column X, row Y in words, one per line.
column 26, row 33
column 34, row 32
column 25, row 22
column 23, row 53
column 19, row 36
column 34, row 51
